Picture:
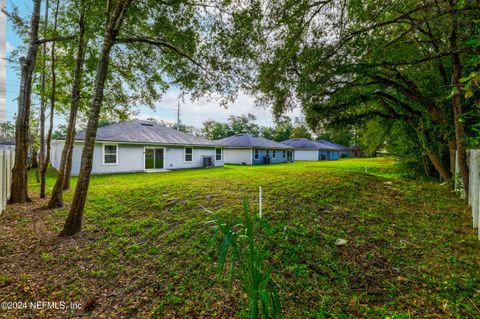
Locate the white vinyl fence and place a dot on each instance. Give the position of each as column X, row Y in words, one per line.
column 474, row 186
column 6, row 165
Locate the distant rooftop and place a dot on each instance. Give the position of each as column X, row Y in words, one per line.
column 333, row 145
column 250, row 141
column 304, row 143
column 7, row 142
column 145, row 132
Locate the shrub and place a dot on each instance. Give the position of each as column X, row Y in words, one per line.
column 239, row 251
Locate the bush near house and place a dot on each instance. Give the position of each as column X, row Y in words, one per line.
column 410, row 250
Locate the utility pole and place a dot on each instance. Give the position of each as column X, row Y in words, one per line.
column 178, row 116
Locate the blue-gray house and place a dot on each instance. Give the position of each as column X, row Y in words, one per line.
column 308, row 150
column 248, row 149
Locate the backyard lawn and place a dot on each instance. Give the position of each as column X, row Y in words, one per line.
column 146, row 251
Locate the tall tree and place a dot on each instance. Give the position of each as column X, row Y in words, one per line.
column 215, row 130
column 162, row 43
column 283, row 129
column 43, row 102
column 53, row 97
column 457, row 96
column 243, row 124
column 45, row 143
column 350, row 61
column 19, row 192
column 73, row 224
column 300, row 129
column 63, row 178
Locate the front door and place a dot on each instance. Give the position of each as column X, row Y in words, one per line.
column 153, row 158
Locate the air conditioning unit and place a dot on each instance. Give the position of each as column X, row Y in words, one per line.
column 207, row 161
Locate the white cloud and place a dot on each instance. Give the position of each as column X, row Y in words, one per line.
column 10, row 48
column 196, row 112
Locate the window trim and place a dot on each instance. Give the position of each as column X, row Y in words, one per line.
column 256, row 154
column 221, row 154
column 274, row 154
column 103, row 154
column 185, row 154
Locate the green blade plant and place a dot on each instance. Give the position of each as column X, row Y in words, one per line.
column 239, row 251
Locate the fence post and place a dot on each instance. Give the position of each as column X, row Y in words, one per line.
column 475, row 186
column 9, row 161
column 3, row 190
column 260, row 202
column 471, row 172
column 456, row 187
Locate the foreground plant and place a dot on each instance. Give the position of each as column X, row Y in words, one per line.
column 245, row 258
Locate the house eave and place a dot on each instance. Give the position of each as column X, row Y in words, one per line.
column 151, row 143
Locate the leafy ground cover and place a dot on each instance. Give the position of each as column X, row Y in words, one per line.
column 146, row 252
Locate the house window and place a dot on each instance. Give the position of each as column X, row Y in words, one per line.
column 283, row 154
column 274, row 154
column 256, row 154
column 218, row 154
column 188, row 154
column 268, row 153
column 110, row 154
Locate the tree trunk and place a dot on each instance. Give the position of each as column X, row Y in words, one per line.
column 73, row 224
column 431, row 154
column 27, row 64
column 68, row 168
column 452, row 150
column 34, row 155
column 457, row 99
column 42, row 108
column 52, row 104
column 437, row 163
column 56, row 200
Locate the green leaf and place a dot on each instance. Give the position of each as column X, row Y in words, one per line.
column 468, row 94
column 452, row 92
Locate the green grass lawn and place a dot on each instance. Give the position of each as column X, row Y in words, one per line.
column 146, row 251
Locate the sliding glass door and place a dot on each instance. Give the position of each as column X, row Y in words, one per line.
column 153, row 158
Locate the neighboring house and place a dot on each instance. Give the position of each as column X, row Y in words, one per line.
column 248, row 149
column 355, row 151
column 336, row 150
column 308, row 150
column 136, row 146
column 7, row 144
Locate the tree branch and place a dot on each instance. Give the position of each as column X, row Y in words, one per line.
column 160, row 43
column 56, row 39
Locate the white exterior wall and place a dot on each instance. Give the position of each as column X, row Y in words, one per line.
column 306, row 155
column 56, row 152
column 175, row 159
column 238, row 156
column 131, row 157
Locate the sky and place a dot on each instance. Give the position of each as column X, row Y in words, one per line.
column 192, row 112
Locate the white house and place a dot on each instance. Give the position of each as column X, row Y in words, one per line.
column 136, row 146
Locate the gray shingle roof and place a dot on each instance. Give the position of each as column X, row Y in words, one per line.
column 304, row 143
column 333, row 145
column 145, row 132
column 8, row 142
column 250, row 141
